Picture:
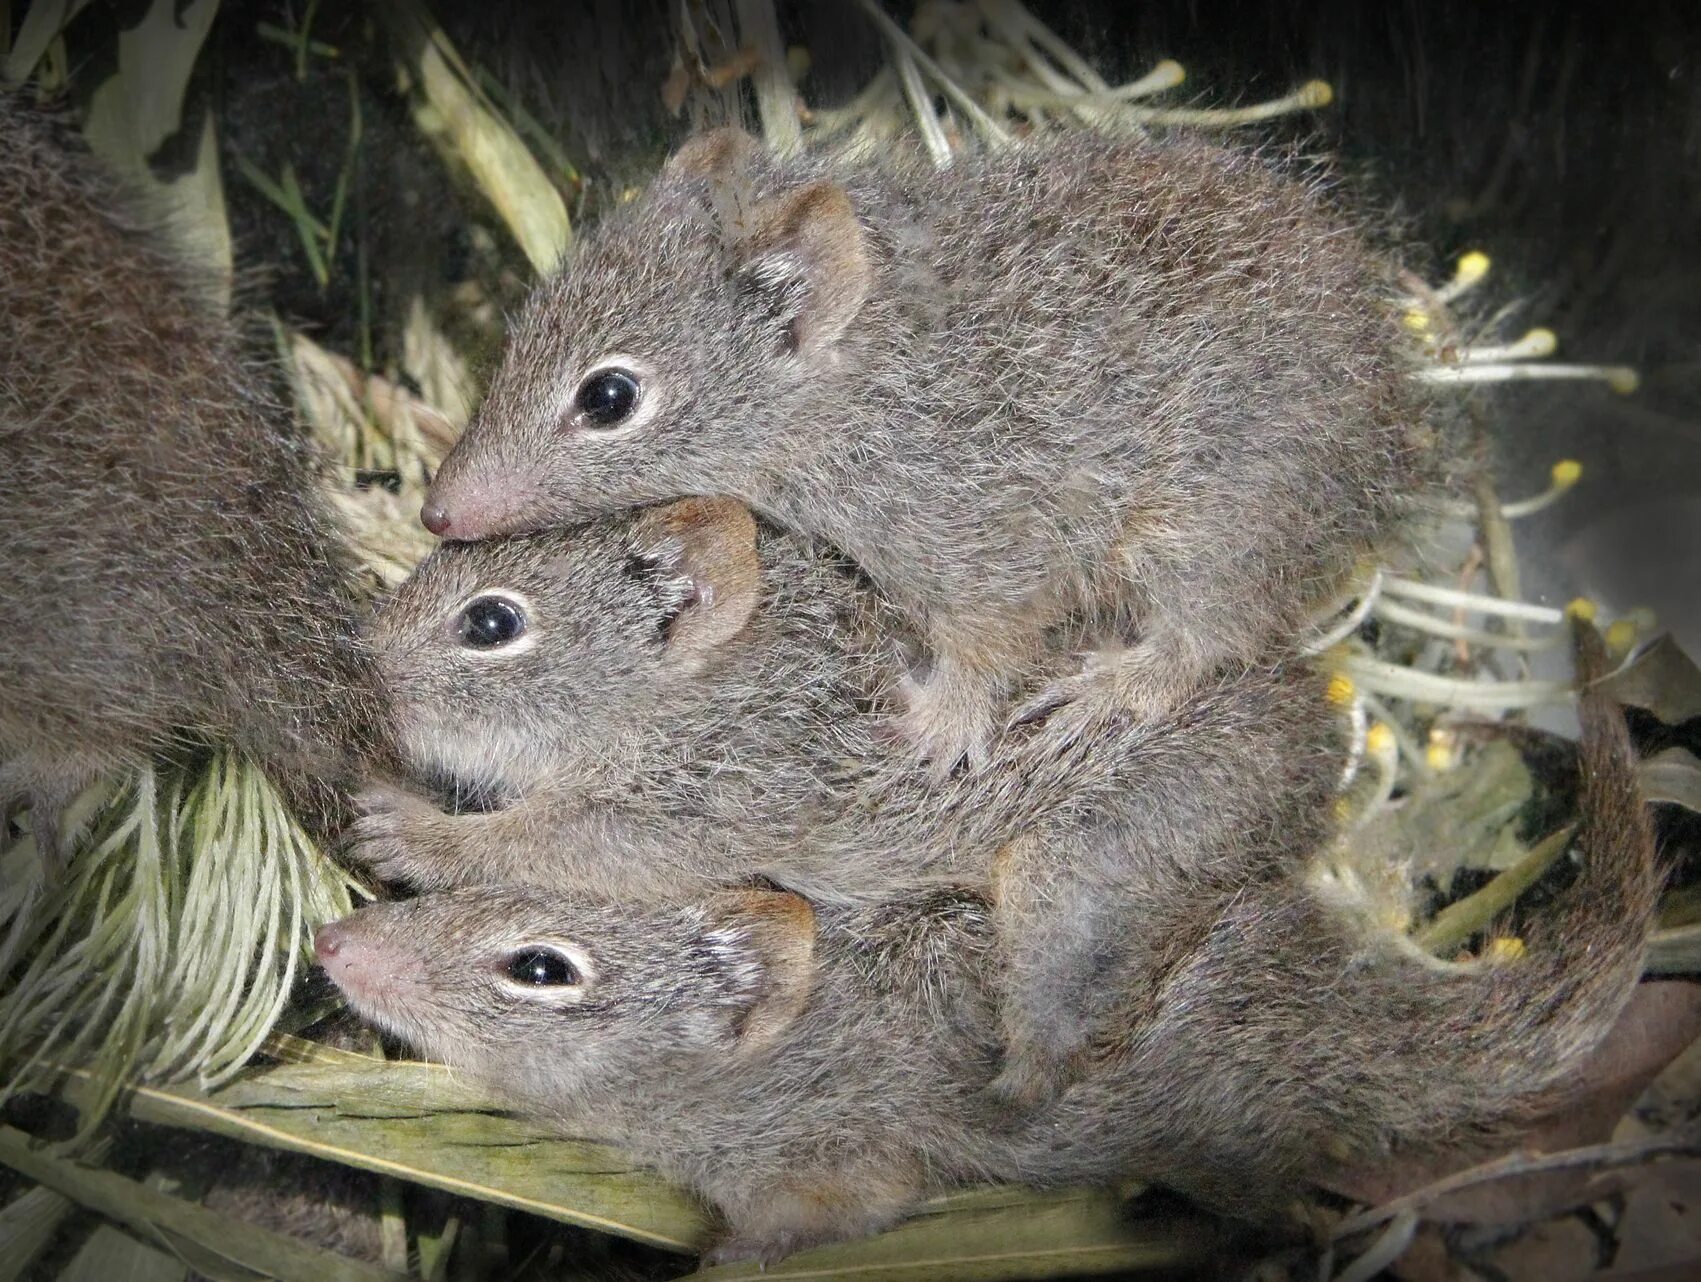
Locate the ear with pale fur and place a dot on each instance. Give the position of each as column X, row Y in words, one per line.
column 728, row 153
column 777, row 929
column 708, row 545
column 724, row 162
column 806, row 262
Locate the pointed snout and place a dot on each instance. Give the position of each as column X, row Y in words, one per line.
column 435, row 517
column 465, row 509
column 328, row 941
column 359, row 963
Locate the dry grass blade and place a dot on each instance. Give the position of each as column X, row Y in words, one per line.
column 110, row 1253
column 135, row 111
column 466, row 130
column 43, row 21
column 204, row 1239
column 173, row 938
column 418, row 1123
column 27, row 1224
column 776, row 98
column 1074, row 1234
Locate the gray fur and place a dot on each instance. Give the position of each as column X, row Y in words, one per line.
column 635, row 763
column 1156, row 387
column 814, row 1073
column 171, row 574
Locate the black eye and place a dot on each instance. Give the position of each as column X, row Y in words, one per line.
column 541, row 967
column 607, row 398
column 489, row 622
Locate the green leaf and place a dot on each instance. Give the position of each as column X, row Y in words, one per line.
column 1662, row 680
column 1021, row 1235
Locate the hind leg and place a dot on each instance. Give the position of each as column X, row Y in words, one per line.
column 766, row 1222
column 1058, row 942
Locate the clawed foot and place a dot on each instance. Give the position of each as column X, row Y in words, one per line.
column 387, row 836
column 946, row 721
column 1029, row 1081
column 764, row 1251
column 1112, row 686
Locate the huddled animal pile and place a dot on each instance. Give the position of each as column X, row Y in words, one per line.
column 809, row 860
column 852, row 740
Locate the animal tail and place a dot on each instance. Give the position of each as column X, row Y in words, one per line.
column 1300, row 1036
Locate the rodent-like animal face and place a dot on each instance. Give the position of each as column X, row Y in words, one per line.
column 668, row 357
column 551, row 999
column 528, row 658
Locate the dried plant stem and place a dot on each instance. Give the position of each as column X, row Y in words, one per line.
column 900, row 39
column 776, row 98
column 1456, row 923
column 466, row 130
column 1683, row 1142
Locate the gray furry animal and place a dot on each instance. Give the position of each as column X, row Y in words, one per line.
column 673, row 699
column 1157, row 387
column 814, row 1072
column 709, row 1038
column 171, row 574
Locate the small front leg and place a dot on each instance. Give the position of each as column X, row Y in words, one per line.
column 1145, row 682
column 543, row 841
column 952, row 714
column 1053, row 930
column 403, row 837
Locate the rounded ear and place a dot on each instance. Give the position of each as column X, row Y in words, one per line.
column 806, row 262
column 728, row 153
column 724, row 160
column 776, row 929
column 709, row 545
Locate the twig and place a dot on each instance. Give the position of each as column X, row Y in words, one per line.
column 900, row 39
column 1456, row 923
column 1682, row 1142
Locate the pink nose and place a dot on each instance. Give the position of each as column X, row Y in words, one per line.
column 329, row 940
column 435, row 517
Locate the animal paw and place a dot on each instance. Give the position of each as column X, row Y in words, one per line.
column 1031, row 1078
column 945, row 722
column 1112, row 685
column 390, row 836
column 763, row 1250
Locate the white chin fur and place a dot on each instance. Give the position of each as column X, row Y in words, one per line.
column 480, row 756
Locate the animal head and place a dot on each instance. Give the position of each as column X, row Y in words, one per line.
column 551, row 1000
column 674, row 354
column 520, row 659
